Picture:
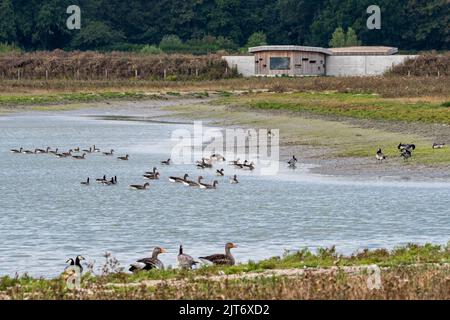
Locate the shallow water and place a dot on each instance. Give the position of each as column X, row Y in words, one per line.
column 46, row 216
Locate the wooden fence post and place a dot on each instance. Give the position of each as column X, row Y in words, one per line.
column 46, row 75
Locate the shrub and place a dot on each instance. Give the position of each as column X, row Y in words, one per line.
column 150, row 49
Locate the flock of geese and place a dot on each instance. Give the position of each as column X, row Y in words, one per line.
column 184, row 260
column 406, row 150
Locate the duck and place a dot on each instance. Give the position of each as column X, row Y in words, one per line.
column 86, row 183
column 124, row 158
column 94, row 149
column 101, row 179
column 221, row 259
column 380, row 156
column 82, row 157
column 438, row 145
column 87, row 150
column 234, row 180
column 178, row 179
column 109, row 153
column 209, row 186
column 406, row 154
column 41, row 150
column 140, row 187
column 185, row 261
column 409, row 147
column 149, row 263
column 166, row 162
column 16, row 151
column 220, row 172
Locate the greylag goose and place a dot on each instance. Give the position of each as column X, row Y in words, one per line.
column 178, row 179
column 82, row 157
column 111, row 153
column 124, row 158
column 220, row 172
column 16, row 151
column 185, row 261
column 221, row 259
column 166, row 162
column 380, row 156
column 86, row 183
column 438, row 145
column 149, row 263
column 139, row 187
column 234, row 180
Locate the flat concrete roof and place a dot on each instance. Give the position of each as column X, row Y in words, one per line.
column 364, row 51
column 290, row 48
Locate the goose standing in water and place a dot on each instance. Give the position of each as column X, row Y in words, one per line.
column 111, row 153
column 166, row 162
column 82, row 157
column 185, row 261
column 42, row 150
column 221, row 259
column 380, row 156
column 220, row 172
column 234, row 180
column 16, row 151
column 149, row 263
column 178, row 179
column 86, row 183
column 139, row 187
column 124, row 158
column 438, row 145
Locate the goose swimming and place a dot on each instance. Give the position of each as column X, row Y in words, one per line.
column 54, row 151
column 42, row 150
column 88, row 150
column 149, row 263
column 250, row 166
column 178, row 179
column 220, row 172
column 438, row 145
column 82, row 157
column 86, row 183
column 234, row 180
column 217, row 157
column 380, row 156
column 109, row 182
column 166, row 162
column 140, row 187
column 152, row 176
column 190, row 183
column 27, row 152
column 124, row 158
column 235, row 162
column 67, row 154
column 185, row 261
column 77, row 149
column 94, row 149
column 16, row 151
column 209, row 186
column 101, row 179
column 109, row 153
column 293, row 161
column 221, row 259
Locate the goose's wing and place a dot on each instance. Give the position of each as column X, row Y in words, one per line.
column 186, row 261
column 151, row 263
column 216, row 259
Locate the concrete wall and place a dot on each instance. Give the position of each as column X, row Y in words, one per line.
column 345, row 66
column 244, row 64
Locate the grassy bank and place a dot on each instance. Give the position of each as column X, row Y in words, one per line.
column 410, row 272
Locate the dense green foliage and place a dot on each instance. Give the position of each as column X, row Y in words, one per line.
column 210, row 25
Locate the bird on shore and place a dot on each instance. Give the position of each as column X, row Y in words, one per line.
column 82, row 157
column 111, row 153
column 16, row 151
column 409, row 147
column 292, row 163
column 178, row 179
column 86, row 183
column 221, row 259
column 149, row 263
column 380, row 156
column 166, row 162
column 78, row 260
column 140, row 187
column 234, row 180
column 220, row 172
column 438, row 145
column 406, row 154
column 185, row 261
column 124, row 158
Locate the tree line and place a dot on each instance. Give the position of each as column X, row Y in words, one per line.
column 199, row 26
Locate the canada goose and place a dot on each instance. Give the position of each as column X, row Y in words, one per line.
column 149, row 263
column 406, row 154
column 154, row 170
column 221, row 259
column 380, row 156
column 88, row 150
column 78, row 260
column 86, row 183
column 217, row 157
column 409, row 147
column 67, row 154
column 185, row 261
column 101, row 179
column 178, row 179
column 82, row 157
column 124, row 158
column 438, row 145
column 293, row 161
column 152, row 176
column 190, row 183
column 240, row 165
column 16, row 151
column 94, row 149
column 27, row 152
column 109, row 153
column 235, row 162
column 139, row 187
column 220, row 172
column 54, row 151
column 234, row 180
column 209, row 186
column 166, row 162
column 42, row 150
column 250, row 166
column 115, row 179
column 108, row 182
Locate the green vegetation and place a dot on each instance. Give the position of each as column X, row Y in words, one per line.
column 298, row 275
column 6, row 48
